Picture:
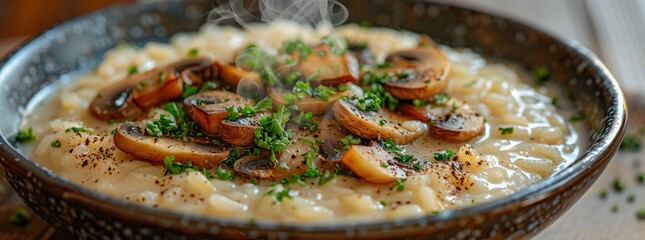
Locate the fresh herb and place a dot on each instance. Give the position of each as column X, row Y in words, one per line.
column 390, row 146
column 365, row 24
column 398, row 185
column 111, row 122
column 252, row 152
column 631, row 198
column 305, row 121
column 224, row 174
column 280, row 195
column 370, row 102
column 255, row 58
column 20, row 216
column 417, row 166
column 383, row 203
column 630, row 143
column 383, row 65
column 404, row 158
column 206, row 173
column 323, row 92
column 309, row 156
column 193, row 52
column 577, row 118
column 173, row 167
column 505, row 130
column 175, row 125
column 374, row 82
column 80, row 129
column 295, row 178
column 235, row 113
column 338, row 170
column 165, row 124
column 419, row 102
column 382, row 122
column 291, row 47
column 326, row 177
column 349, row 140
column 25, row 136
column 603, row 194
column 161, row 76
column 269, row 75
column 232, row 158
column 541, row 75
column 640, row 178
column 441, row 99
column 640, row 214
column 189, row 90
column 554, row 101
column 133, row 70
column 619, row 186
column 445, row 155
column 143, row 84
column 615, row 207
column 254, row 181
column 334, row 45
column 207, row 86
column 271, row 134
column 55, row 143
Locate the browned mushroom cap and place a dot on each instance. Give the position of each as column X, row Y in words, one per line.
column 240, row 132
column 371, row 163
column 233, row 74
column 324, row 67
column 309, row 103
column 208, row 109
column 131, row 139
column 127, row 98
column 368, row 125
column 255, row 167
column 424, row 72
column 454, row 121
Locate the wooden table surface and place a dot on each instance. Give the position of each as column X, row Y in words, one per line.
column 592, row 217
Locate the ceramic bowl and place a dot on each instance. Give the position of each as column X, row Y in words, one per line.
column 78, row 45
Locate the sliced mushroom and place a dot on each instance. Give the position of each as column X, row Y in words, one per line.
column 362, row 53
column 322, row 66
column 255, row 167
column 129, row 97
column 240, row 132
column 309, row 103
column 371, row 164
column 208, row 109
column 131, row 139
column 454, row 121
column 369, row 125
column 423, row 72
column 233, row 74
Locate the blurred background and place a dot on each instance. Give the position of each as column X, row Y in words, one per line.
column 613, row 29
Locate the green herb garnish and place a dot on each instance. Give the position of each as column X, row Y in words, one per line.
column 224, row 174
column 25, row 136
column 55, row 143
column 80, row 129
column 505, row 130
column 577, row 118
column 235, row 113
column 630, row 143
column 441, row 99
column 541, row 75
column 445, row 155
column 20, row 216
column 133, row 70
column 348, row 141
column 398, row 185
column 193, row 52
column 305, row 121
column 271, row 134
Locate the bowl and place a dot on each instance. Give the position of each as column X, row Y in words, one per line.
column 78, row 45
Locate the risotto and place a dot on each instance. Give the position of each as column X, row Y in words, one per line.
column 285, row 123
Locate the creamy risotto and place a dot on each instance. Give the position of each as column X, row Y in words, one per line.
column 285, row 123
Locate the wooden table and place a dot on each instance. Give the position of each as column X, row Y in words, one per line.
column 591, row 217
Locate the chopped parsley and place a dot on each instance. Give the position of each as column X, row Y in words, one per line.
column 541, row 75
column 175, row 125
column 334, row 45
column 207, row 86
column 348, row 141
column 280, row 195
column 25, row 136
column 383, row 203
column 404, row 158
column 326, row 177
column 603, row 194
column 193, row 52
column 630, row 143
column 445, row 155
column 189, row 90
column 640, row 178
column 254, row 181
column 398, row 185
column 577, row 118
column 305, row 121
column 505, row 130
column 224, row 174
column 382, row 122
column 165, row 124
column 640, row 214
column 232, row 158
column 631, row 198
column 619, row 186
column 173, row 167
column 417, row 166
column 390, row 146
column 55, row 143
column 441, row 99
column 419, row 102
column 20, row 216
column 133, row 70
column 235, row 113
column 80, row 129
column 297, row 46
column 309, row 156
column 272, row 134
column 370, row 102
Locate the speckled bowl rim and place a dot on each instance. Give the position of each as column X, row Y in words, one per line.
column 606, row 143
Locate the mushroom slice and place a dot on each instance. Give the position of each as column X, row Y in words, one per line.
column 233, row 74
column 422, row 72
column 131, row 139
column 208, row 109
column 240, row 132
column 362, row 53
column 323, row 66
column 371, row 164
column 255, row 167
column 126, row 99
column 454, row 121
column 383, row 124
column 309, row 103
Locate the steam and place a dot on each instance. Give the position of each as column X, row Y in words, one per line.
column 313, row 13
column 308, row 12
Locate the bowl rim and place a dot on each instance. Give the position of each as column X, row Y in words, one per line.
column 606, row 142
